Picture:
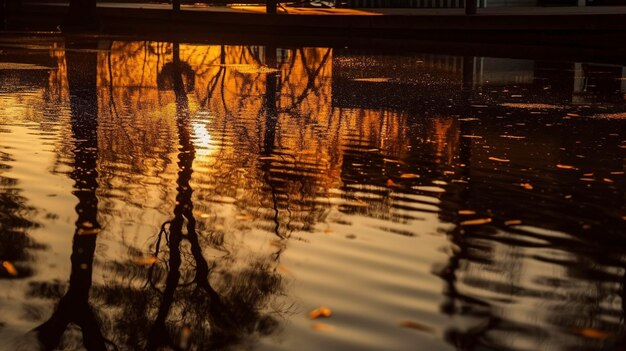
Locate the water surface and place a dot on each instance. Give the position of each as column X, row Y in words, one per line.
column 160, row 195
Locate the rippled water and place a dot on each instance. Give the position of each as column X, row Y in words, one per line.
column 170, row 196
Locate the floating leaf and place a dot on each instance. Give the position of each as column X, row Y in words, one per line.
column 10, row 268
column 145, row 261
column 390, row 183
column 608, row 180
column 467, row 212
column 593, row 333
column 498, row 159
column 513, row 222
column 372, row 80
column 320, row 312
column 527, row 186
column 416, row 326
column 323, row 327
column 390, row 160
column 88, row 231
column 87, row 224
column 477, row 221
column 573, row 115
column 409, row 175
column 561, row 166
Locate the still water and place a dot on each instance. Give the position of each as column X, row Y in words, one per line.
column 158, row 196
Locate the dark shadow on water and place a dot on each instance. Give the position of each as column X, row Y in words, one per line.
column 74, row 306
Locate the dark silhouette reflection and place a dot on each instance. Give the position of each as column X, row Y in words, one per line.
column 14, row 239
column 184, row 300
column 74, row 306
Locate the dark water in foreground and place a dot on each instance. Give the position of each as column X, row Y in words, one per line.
column 158, row 196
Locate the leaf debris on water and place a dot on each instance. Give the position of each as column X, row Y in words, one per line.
column 146, row 261
column 320, row 312
column 593, row 333
column 513, row 222
column 498, row 159
column 527, row 186
column 467, row 212
column 478, row 221
column 409, row 175
column 416, row 326
column 10, row 268
column 562, row 166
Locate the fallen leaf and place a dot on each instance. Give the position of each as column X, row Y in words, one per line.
column 10, row 268
column 527, row 186
column 409, row 175
column 608, row 180
column 467, row 212
column 87, row 224
column 593, row 333
column 88, row 231
column 497, row 159
column 573, row 115
column 513, row 222
column 416, row 326
column 561, row 166
column 323, row 327
column 390, row 183
column 478, row 221
column 145, row 261
column 320, row 312
column 392, row 160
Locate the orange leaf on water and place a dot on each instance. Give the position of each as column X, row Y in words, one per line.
column 593, row 333
column 88, row 231
column 409, row 175
column 513, row 222
column 10, row 268
column 390, row 183
column 467, row 212
column 498, row 159
column 527, row 186
column 561, row 166
column 145, row 261
column 478, row 221
column 320, row 312
column 416, row 326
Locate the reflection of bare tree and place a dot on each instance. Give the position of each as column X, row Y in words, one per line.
column 74, row 306
column 185, row 303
